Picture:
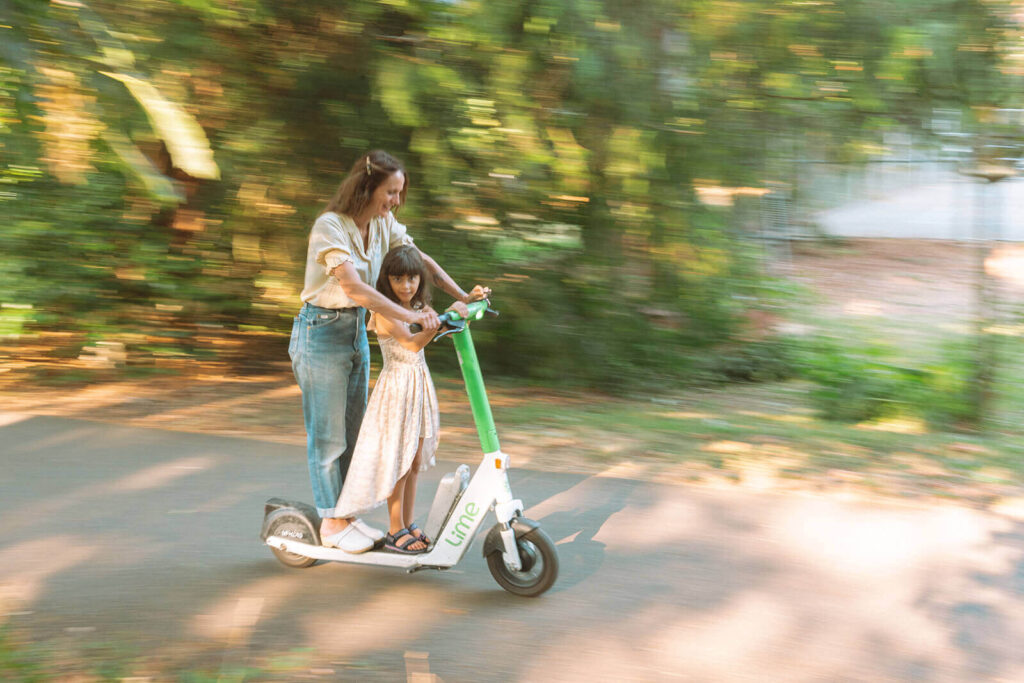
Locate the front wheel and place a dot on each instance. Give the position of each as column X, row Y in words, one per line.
column 539, row 561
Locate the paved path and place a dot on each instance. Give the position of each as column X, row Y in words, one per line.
column 140, row 547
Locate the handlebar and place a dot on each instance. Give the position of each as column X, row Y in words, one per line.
column 454, row 321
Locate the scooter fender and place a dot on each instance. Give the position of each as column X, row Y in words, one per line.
column 293, row 507
column 520, row 525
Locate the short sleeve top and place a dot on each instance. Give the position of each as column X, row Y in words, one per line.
column 334, row 240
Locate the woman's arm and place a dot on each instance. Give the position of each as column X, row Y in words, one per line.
column 368, row 297
column 444, row 281
column 401, row 333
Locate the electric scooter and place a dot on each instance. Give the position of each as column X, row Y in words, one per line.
column 520, row 555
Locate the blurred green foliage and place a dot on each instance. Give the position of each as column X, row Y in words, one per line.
column 161, row 160
column 860, row 382
column 856, row 383
column 17, row 661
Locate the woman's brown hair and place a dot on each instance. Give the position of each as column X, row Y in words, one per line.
column 365, row 176
column 404, row 260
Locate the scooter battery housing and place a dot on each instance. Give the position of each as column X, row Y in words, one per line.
column 448, row 493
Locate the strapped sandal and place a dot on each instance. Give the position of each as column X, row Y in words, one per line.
column 391, row 543
column 413, row 528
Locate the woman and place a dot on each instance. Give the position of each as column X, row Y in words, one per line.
column 329, row 351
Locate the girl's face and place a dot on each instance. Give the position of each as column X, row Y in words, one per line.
column 404, row 286
column 388, row 194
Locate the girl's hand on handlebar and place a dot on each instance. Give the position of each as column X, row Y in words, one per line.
column 479, row 292
column 460, row 308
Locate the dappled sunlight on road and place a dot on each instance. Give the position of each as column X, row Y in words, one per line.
column 626, row 470
column 12, row 418
column 751, row 630
column 65, row 439
column 640, row 525
column 665, row 521
column 892, row 592
column 656, row 581
column 744, row 637
column 577, row 500
column 864, row 544
column 156, row 476
column 378, row 620
column 148, row 478
column 231, row 619
column 26, row 567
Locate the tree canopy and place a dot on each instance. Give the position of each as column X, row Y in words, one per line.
column 162, row 160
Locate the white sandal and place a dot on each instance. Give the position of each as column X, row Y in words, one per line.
column 349, row 539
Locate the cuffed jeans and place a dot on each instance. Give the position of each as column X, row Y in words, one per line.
column 331, row 360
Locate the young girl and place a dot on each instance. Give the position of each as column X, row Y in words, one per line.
column 399, row 433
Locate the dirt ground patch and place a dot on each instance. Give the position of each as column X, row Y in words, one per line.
column 906, row 282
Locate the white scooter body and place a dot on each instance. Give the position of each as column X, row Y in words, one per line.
column 488, row 487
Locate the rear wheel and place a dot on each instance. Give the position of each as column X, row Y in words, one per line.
column 288, row 524
column 539, row 561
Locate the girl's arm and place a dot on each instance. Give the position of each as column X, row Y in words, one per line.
column 368, row 297
column 444, row 281
column 400, row 331
column 415, row 342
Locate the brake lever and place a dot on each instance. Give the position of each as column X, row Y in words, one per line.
column 453, row 326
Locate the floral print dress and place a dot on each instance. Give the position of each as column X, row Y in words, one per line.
column 402, row 410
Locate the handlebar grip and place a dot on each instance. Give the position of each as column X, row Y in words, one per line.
column 416, row 328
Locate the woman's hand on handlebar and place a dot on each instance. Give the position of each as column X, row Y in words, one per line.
column 479, row 292
column 460, row 308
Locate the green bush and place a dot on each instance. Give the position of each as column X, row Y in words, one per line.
column 944, row 396
column 857, row 383
column 852, row 385
column 771, row 359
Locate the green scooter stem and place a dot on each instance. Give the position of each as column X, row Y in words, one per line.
column 474, row 380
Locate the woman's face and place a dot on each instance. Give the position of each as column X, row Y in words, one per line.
column 404, row 286
column 388, row 194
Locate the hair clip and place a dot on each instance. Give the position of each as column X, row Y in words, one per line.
column 368, row 164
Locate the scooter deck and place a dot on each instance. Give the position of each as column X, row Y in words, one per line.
column 383, row 558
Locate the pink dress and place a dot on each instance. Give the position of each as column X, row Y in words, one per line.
column 402, row 410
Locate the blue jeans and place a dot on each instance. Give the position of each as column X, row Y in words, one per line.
column 331, row 360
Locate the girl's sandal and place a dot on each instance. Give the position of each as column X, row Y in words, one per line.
column 413, row 528
column 391, row 543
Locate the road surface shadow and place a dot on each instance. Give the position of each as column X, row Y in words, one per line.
column 148, row 540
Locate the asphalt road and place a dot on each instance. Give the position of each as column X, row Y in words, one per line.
column 136, row 552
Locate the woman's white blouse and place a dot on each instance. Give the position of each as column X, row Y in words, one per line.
column 335, row 239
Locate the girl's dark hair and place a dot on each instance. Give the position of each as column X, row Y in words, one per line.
column 404, row 260
column 365, row 176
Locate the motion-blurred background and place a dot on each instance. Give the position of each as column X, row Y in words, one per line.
column 632, row 179
column 745, row 245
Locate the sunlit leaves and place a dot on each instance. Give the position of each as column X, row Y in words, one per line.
column 156, row 184
column 70, row 124
column 184, row 137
